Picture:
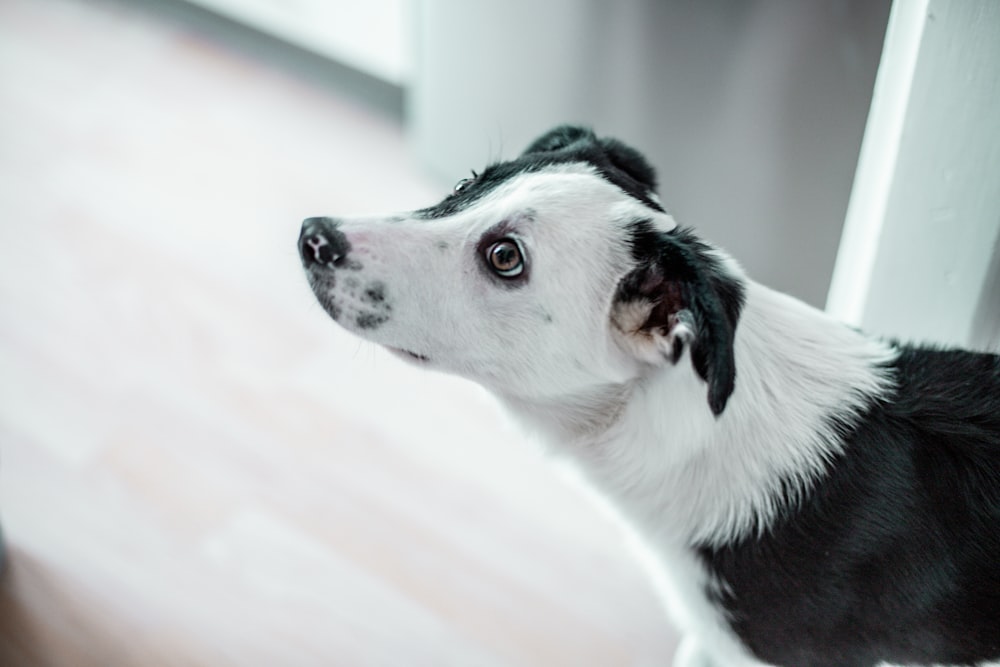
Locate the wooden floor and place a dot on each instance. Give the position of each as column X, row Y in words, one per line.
column 196, row 466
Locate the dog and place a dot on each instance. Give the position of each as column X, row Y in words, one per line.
column 803, row 494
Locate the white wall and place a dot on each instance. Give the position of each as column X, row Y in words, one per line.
column 753, row 111
column 918, row 258
column 370, row 35
column 985, row 332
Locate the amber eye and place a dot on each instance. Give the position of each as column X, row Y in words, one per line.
column 505, row 258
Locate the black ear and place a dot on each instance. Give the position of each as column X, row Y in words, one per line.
column 680, row 297
column 630, row 161
column 561, row 137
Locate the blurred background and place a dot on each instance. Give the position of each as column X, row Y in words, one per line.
column 198, row 468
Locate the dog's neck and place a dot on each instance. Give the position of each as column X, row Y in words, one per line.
column 654, row 449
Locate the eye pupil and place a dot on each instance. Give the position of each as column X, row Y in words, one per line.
column 505, row 258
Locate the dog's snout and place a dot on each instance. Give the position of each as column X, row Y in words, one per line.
column 322, row 243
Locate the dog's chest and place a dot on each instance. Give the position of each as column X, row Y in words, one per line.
column 691, row 593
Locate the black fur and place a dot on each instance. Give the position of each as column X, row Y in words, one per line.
column 678, row 273
column 895, row 555
column 615, row 161
column 674, row 264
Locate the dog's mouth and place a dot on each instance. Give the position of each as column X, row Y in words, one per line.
column 407, row 354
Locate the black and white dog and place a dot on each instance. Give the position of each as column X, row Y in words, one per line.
column 804, row 495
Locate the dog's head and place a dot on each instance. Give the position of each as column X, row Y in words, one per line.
column 550, row 275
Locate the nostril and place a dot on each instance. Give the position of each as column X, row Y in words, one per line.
column 321, row 242
column 316, row 248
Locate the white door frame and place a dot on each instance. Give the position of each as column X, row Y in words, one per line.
column 918, row 254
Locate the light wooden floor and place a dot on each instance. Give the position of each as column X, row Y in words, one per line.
column 196, row 466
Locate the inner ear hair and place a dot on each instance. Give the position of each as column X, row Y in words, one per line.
column 681, row 332
column 652, row 314
column 669, row 320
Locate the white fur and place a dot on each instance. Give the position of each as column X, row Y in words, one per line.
column 603, row 397
column 677, row 469
column 442, row 300
column 679, row 476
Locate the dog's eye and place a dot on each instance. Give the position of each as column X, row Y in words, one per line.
column 465, row 182
column 505, row 258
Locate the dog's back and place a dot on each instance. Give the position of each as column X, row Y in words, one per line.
column 895, row 555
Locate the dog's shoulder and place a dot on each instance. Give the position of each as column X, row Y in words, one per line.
column 952, row 393
column 900, row 536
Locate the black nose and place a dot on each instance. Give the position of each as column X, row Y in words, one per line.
column 322, row 243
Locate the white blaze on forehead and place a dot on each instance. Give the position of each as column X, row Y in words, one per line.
column 582, row 184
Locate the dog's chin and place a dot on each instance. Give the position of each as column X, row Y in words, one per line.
column 407, row 355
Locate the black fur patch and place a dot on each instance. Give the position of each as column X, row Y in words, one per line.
column 677, row 272
column 370, row 320
column 613, row 160
column 895, row 555
column 374, row 293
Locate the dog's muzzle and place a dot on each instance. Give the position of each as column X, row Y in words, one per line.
column 322, row 244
